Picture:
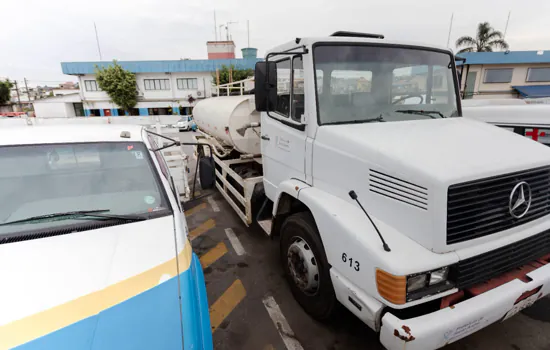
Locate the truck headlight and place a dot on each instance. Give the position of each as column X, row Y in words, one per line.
column 428, row 283
column 402, row 289
column 417, row 282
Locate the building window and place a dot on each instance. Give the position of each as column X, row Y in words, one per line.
column 502, row 75
column 157, row 84
column 538, row 74
column 91, row 85
column 187, row 84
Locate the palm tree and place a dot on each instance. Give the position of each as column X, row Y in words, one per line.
column 486, row 39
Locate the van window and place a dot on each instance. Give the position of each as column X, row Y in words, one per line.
column 45, row 179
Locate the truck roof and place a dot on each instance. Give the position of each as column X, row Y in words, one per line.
column 41, row 134
column 340, row 39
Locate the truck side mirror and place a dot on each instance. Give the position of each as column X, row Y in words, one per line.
column 265, row 89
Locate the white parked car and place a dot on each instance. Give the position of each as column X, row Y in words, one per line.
column 184, row 123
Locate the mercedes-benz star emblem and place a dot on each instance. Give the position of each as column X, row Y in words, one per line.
column 520, row 200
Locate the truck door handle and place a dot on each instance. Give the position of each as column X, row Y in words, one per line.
column 265, row 137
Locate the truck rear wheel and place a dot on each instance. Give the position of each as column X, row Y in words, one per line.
column 306, row 267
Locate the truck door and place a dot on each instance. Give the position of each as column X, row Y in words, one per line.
column 283, row 133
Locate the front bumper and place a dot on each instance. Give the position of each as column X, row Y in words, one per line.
column 448, row 325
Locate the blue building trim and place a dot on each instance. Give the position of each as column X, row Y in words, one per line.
column 114, row 112
column 73, row 68
column 512, row 57
column 144, row 111
column 101, row 113
column 86, row 112
column 176, row 110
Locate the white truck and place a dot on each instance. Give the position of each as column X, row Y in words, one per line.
column 426, row 225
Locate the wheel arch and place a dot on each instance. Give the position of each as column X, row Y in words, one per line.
column 287, row 203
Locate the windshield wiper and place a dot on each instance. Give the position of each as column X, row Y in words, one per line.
column 358, row 121
column 421, row 112
column 79, row 213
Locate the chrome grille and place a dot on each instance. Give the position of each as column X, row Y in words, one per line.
column 397, row 189
column 481, row 207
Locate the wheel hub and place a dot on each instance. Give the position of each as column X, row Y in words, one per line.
column 303, row 266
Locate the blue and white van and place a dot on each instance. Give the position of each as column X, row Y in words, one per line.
column 93, row 244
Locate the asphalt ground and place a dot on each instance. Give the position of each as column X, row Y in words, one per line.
column 251, row 306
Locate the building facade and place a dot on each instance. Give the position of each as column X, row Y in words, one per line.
column 163, row 87
column 510, row 74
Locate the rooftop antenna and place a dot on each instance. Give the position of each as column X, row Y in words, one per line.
column 450, row 29
column 227, row 29
column 220, row 28
column 506, row 28
column 97, row 40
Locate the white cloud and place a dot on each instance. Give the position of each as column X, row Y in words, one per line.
column 33, row 45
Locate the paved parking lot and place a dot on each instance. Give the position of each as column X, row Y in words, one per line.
column 251, row 306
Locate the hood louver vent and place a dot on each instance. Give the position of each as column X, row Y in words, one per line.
column 400, row 190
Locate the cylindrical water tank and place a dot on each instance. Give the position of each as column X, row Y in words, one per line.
column 222, row 116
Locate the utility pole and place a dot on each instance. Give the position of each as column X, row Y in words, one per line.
column 215, row 26
column 97, row 39
column 18, row 97
column 27, row 89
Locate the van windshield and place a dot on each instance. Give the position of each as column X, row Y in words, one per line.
column 363, row 83
column 117, row 178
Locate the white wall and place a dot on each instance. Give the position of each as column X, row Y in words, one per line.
column 54, row 110
column 57, row 92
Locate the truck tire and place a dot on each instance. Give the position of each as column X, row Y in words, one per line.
column 306, row 267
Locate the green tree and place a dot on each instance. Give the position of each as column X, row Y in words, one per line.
column 119, row 84
column 238, row 74
column 487, row 38
column 5, row 91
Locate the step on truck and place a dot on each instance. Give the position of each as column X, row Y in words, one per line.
column 354, row 153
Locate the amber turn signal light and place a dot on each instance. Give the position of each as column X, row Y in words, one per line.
column 392, row 288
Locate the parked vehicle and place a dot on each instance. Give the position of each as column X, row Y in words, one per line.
column 425, row 225
column 185, row 123
column 529, row 120
column 95, row 243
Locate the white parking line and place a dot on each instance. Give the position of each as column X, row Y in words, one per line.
column 281, row 324
column 237, row 246
column 213, row 204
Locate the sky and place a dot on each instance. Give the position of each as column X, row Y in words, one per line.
column 37, row 35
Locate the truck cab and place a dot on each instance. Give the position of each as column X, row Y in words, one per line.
column 426, row 225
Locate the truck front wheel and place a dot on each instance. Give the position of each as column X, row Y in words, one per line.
column 306, row 267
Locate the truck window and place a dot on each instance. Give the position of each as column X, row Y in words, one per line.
column 414, row 81
column 297, row 88
column 283, row 87
column 383, row 83
column 343, row 82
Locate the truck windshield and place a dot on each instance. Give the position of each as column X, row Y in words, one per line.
column 116, row 178
column 363, row 83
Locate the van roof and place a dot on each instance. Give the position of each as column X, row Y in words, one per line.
column 41, row 134
column 518, row 115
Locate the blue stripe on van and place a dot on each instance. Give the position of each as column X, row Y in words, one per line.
column 150, row 320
